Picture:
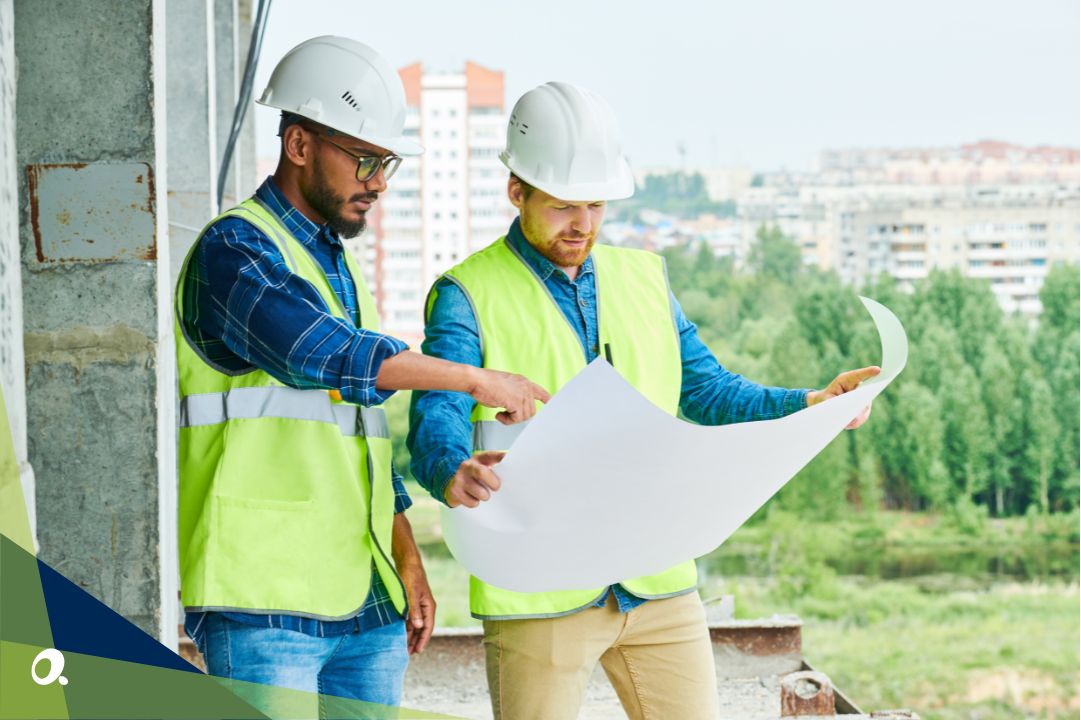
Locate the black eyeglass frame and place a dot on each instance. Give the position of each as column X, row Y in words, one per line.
column 388, row 163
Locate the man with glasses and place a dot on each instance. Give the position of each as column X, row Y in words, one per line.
column 298, row 566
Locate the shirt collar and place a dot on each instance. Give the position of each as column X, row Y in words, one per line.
column 540, row 264
column 303, row 229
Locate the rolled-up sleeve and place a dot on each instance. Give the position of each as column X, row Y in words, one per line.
column 402, row 501
column 713, row 395
column 440, row 433
column 247, row 299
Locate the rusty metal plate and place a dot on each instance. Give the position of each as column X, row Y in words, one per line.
column 92, row 212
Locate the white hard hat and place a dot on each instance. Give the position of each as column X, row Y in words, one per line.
column 564, row 140
column 346, row 86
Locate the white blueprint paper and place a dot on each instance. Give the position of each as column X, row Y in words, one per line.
column 603, row 486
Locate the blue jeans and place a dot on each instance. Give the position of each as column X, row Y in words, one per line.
column 367, row 666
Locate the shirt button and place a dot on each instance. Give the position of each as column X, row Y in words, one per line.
column 581, row 302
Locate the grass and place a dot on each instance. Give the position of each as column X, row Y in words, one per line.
column 953, row 643
column 1006, row 651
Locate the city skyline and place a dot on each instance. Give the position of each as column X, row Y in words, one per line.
column 768, row 86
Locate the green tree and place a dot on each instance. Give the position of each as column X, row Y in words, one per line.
column 967, row 447
column 681, row 194
column 1043, row 443
column 1061, row 299
column 915, row 455
column 1000, row 395
column 819, row 490
column 775, row 256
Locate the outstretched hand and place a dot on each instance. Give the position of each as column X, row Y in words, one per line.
column 846, row 382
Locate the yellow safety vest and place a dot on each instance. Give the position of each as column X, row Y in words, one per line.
column 285, row 494
column 522, row 330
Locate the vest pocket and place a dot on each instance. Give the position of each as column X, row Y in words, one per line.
column 265, row 551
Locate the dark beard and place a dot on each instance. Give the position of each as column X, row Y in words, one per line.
column 322, row 198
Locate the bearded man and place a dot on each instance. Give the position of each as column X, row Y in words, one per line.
column 298, row 566
column 546, row 300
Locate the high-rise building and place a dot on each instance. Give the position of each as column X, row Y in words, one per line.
column 1009, row 235
column 445, row 204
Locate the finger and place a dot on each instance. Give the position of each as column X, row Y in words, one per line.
column 414, row 633
column 425, row 632
column 464, row 498
column 526, row 411
column 476, row 491
column 423, row 637
column 860, row 419
column 411, row 634
column 488, row 478
column 505, row 417
column 540, row 393
column 489, row 458
column 851, row 380
column 451, row 494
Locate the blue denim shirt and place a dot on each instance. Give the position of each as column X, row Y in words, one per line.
column 440, row 433
column 244, row 307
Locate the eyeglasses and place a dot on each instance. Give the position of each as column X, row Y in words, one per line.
column 368, row 166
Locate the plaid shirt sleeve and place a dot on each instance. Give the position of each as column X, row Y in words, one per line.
column 243, row 306
column 402, row 501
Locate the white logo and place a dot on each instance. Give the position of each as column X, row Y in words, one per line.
column 56, row 666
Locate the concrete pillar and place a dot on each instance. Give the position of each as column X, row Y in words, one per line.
column 248, row 177
column 90, row 114
column 192, row 130
column 12, row 380
column 229, row 68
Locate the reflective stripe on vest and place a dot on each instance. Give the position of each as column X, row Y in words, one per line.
column 285, row 495
column 524, row 331
column 282, row 402
column 494, row 435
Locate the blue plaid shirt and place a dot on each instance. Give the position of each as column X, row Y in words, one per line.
column 440, row 434
column 244, row 307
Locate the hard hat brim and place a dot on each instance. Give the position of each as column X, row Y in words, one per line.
column 620, row 188
column 401, row 145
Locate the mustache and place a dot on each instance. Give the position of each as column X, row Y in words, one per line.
column 365, row 197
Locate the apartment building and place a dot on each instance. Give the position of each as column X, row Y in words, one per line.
column 1010, row 240
column 987, row 162
column 445, row 204
column 1009, row 235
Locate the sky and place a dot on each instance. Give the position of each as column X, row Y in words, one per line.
column 766, row 84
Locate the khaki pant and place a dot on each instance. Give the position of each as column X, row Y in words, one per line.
column 658, row 658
